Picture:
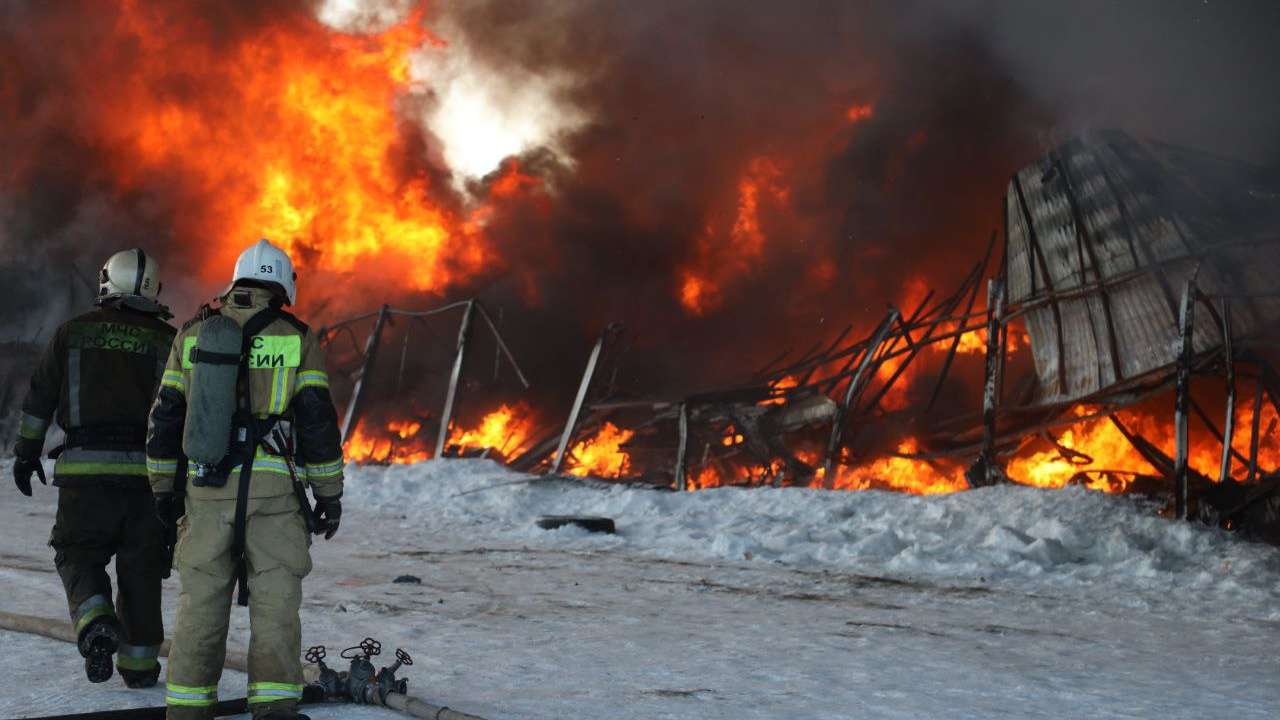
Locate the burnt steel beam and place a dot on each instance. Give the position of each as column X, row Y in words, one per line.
column 1229, row 424
column 451, row 397
column 352, row 417
column 988, row 472
column 583, row 387
column 830, row 349
column 842, row 416
column 978, row 271
column 1213, row 428
column 393, row 311
column 1185, row 343
column 682, row 459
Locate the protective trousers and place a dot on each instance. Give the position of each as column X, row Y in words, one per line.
column 93, row 523
column 277, row 550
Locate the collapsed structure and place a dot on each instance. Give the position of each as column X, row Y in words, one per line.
column 1136, row 272
column 1140, row 275
column 1138, row 268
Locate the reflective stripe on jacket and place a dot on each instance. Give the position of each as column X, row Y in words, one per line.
column 287, row 378
column 100, row 370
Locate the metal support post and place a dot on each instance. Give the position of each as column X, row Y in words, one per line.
column 1228, row 356
column 986, row 471
column 447, row 417
column 1185, row 350
column 370, row 352
column 587, row 376
column 682, row 459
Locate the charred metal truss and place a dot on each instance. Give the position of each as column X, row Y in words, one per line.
column 1134, row 269
column 830, row 395
column 1110, row 246
column 381, row 317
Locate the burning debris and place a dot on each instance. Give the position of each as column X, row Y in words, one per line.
column 400, row 440
column 1110, row 245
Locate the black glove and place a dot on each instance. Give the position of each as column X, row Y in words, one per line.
column 27, row 461
column 329, row 512
column 165, row 509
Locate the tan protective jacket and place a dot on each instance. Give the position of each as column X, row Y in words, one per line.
column 287, row 379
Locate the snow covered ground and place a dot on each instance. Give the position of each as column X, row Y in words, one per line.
column 732, row 604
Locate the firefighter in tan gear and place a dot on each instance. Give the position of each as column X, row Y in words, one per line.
column 243, row 523
column 99, row 376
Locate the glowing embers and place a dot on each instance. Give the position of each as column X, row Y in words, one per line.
column 890, row 473
column 856, row 113
column 780, row 387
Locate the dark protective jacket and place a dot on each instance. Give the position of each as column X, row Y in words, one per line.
column 97, row 379
column 287, row 380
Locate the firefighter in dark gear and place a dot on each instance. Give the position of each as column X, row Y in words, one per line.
column 244, row 523
column 99, row 376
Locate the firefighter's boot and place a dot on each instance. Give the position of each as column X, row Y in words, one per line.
column 138, row 679
column 98, row 642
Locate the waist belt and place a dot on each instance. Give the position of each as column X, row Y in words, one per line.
column 128, row 435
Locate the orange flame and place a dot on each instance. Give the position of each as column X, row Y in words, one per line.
column 1097, row 456
column 291, row 133
column 1102, row 442
column 601, row 455
column 404, row 430
column 718, row 262
column 916, row 477
column 505, row 430
column 778, row 387
column 398, row 445
column 859, row 112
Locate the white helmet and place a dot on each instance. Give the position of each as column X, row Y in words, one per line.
column 129, row 273
column 266, row 263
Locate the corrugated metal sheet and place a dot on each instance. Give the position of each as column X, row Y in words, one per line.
column 1112, row 229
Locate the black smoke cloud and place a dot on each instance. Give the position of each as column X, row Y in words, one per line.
column 1200, row 73
column 682, row 96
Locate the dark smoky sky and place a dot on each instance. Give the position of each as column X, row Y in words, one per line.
column 679, row 96
column 965, row 92
column 1196, row 72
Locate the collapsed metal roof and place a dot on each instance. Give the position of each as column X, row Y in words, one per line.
column 1104, row 232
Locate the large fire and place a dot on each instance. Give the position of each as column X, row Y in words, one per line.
column 1094, row 453
column 279, row 126
column 290, row 132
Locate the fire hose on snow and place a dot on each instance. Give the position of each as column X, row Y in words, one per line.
column 362, row 683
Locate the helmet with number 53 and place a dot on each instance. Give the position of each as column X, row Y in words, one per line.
column 265, row 263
